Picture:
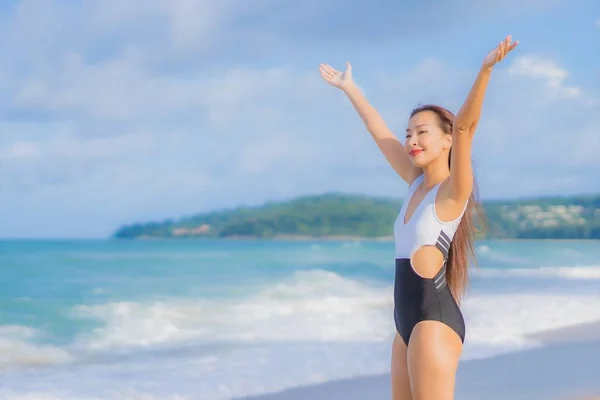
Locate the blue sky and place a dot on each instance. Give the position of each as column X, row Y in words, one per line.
column 116, row 112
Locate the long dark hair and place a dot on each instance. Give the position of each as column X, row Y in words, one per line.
column 462, row 247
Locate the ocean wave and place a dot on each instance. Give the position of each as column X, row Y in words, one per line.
column 309, row 306
column 117, row 395
column 18, row 348
column 312, row 305
column 510, row 319
column 579, row 272
column 321, row 305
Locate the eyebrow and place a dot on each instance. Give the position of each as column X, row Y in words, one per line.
column 408, row 129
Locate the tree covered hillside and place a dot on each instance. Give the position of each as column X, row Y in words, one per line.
column 576, row 217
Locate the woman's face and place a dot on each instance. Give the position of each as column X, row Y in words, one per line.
column 425, row 140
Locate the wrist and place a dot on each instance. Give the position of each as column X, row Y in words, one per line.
column 487, row 69
column 348, row 87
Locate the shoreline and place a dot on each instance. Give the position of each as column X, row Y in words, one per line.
column 291, row 238
column 564, row 367
column 586, row 331
column 333, row 238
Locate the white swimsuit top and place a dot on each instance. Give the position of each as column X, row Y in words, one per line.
column 424, row 227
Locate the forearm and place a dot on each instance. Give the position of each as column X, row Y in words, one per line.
column 467, row 118
column 370, row 116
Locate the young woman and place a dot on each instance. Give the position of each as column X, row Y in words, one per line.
column 433, row 231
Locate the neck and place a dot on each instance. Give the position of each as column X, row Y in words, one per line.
column 435, row 172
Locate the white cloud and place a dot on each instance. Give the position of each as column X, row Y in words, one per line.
column 535, row 126
column 67, row 146
column 248, row 116
column 32, row 166
column 105, row 108
column 238, row 115
column 117, row 89
column 431, row 80
column 20, row 151
column 540, row 130
column 546, row 70
column 272, row 154
column 537, row 67
column 123, row 90
column 155, row 25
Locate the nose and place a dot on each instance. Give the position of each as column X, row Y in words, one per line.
column 412, row 141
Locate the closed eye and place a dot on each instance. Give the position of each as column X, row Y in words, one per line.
column 418, row 133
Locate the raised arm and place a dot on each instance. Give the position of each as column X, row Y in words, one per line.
column 465, row 124
column 388, row 143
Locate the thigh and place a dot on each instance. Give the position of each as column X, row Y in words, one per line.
column 399, row 371
column 432, row 359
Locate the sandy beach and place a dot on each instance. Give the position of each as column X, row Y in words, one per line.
column 566, row 367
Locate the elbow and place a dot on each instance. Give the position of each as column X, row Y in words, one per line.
column 465, row 122
column 464, row 127
column 461, row 128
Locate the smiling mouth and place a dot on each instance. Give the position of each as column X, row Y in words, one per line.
column 415, row 152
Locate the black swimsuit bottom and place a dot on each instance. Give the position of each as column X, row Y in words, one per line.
column 419, row 299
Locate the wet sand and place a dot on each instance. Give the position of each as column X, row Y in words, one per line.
column 566, row 367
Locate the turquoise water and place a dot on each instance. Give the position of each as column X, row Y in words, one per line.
column 160, row 318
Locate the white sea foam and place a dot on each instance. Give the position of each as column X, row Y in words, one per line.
column 507, row 320
column 118, row 395
column 339, row 327
column 583, row 272
column 312, row 305
column 189, row 374
column 323, row 306
column 17, row 348
column 483, row 249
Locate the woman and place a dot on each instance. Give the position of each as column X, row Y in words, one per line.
column 433, row 231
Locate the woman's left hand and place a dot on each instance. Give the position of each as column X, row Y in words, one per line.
column 498, row 54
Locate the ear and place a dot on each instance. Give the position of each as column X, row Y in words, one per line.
column 448, row 141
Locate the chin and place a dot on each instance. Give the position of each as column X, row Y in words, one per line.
column 416, row 162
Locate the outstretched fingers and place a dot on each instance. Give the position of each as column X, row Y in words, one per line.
column 329, row 70
column 502, row 51
column 509, row 45
column 505, row 47
column 326, row 72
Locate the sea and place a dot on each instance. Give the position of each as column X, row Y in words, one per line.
column 221, row 319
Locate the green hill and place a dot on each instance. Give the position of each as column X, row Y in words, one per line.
column 574, row 217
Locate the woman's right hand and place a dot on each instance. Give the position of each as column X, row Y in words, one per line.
column 336, row 78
